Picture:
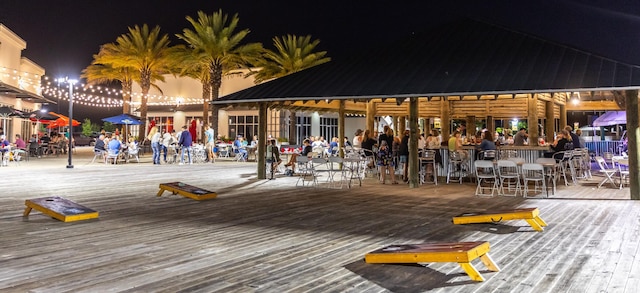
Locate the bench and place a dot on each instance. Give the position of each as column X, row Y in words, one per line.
column 59, row 208
column 186, row 190
column 531, row 215
column 460, row 252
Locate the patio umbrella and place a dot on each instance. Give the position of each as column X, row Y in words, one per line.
column 611, row 118
column 123, row 119
column 44, row 117
column 6, row 112
column 62, row 122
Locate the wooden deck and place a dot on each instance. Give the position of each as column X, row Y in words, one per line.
column 269, row 236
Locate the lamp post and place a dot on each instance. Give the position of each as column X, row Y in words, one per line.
column 70, row 82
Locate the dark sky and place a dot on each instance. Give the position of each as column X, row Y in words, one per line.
column 62, row 36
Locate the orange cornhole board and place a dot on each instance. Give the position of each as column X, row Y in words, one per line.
column 60, row 208
column 461, row 252
column 186, row 190
column 531, row 215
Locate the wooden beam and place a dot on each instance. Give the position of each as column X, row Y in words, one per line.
column 549, row 123
column 413, row 143
column 371, row 115
column 444, row 120
column 633, row 132
column 262, row 141
column 594, row 106
column 532, row 120
column 341, row 129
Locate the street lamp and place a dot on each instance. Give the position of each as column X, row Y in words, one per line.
column 70, row 82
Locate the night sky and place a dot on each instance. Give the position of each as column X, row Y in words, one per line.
column 62, row 36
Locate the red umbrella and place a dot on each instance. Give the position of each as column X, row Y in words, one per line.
column 61, row 122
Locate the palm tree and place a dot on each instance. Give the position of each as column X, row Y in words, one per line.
column 144, row 51
column 215, row 50
column 293, row 54
column 100, row 74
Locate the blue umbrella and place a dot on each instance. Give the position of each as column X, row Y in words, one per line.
column 126, row 119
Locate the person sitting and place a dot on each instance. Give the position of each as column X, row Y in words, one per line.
column 34, row 146
column 560, row 144
column 487, row 144
column 99, row 146
column 4, row 145
column 306, row 151
column 114, row 145
column 19, row 143
column 332, row 149
column 239, row 147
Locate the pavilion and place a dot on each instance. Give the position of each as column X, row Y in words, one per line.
column 464, row 70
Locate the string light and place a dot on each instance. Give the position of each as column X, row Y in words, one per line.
column 99, row 96
column 25, row 80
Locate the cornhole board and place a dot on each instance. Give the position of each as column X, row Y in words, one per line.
column 186, row 190
column 59, row 208
column 531, row 215
column 460, row 252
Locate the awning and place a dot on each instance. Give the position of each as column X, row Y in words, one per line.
column 611, row 118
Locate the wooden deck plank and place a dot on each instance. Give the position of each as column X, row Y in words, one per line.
column 268, row 236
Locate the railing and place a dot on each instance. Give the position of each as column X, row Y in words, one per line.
column 601, row 147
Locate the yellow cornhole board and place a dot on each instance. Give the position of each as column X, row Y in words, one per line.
column 186, row 190
column 461, row 252
column 531, row 215
column 59, row 208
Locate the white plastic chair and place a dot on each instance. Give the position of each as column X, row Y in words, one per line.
column 508, row 173
column 133, row 153
column 304, row 168
column 486, row 173
column 623, row 170
column 112, row 155
column 608, row 172
column 99, row 154
column 533, row 172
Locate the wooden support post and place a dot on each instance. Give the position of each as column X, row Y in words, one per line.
column 471, row 126
column 341, row 129
column 633, row 131
column 413, row 143
column 371, row 116
column 445, row 124
column 549, row 123
column 262, row 141
column 293, row 123
column 563, row 116
column 532, row 120
column 491, row 125
column 402, row 123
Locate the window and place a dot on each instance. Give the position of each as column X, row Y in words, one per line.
column 303, row 128
column 328, row 128
column 247, row 126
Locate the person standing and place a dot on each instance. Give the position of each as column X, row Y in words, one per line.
column 210, row 144
column 403, row 151
column 185, row 144
column 167, row 140
column 154, row 137
column 519, row 138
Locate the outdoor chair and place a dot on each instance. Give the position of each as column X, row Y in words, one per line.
column 428, row 163
column 508, row 173
column 623, row 169
column 239, row 156
column 533, row 172
column 608, row 172
column 112, row 155
column 304, row 168
column 98, row 154
column 336, row 167
column 486, row 174
column 551, row 169
column 456, row 167
column 133, row 153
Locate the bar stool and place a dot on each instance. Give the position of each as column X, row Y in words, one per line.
column 428, row 159
column 457, row 166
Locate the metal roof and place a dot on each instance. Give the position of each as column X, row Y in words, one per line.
column 466, row 57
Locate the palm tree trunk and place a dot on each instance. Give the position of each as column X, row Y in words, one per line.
column 145, row 84
column 126, row 96
column 216, row 83
column 206, row 98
